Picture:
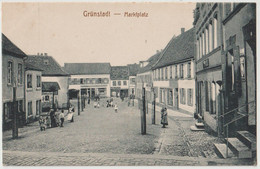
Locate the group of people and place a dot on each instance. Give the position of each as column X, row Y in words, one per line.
column 55, row 118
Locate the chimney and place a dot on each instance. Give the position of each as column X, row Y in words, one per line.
column 45, row 54
column 157, row 51
column 182, row 30
column 41, row 54
column 38, row 53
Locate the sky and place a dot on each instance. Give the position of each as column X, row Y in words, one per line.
column 62, row 31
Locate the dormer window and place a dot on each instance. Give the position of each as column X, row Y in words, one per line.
column 46, row 62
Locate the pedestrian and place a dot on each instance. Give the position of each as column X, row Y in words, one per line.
column 164, row 118
column 88, row 100
column 48, row 122
column 52, row 116
column 42, row 123
column 116, row 107
column 61, row 118
column 57, row 118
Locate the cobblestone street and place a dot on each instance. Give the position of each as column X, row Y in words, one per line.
column 99, row 136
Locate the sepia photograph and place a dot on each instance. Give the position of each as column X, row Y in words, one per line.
column 129, row 83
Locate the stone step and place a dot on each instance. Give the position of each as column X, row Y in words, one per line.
column 194, row 128
column 248, row 139
column 199, row 125
column 221, row 151
column 238, row 148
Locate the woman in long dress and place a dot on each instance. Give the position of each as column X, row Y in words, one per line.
column 164, row 118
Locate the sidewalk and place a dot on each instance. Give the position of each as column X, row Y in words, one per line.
column 16, row 158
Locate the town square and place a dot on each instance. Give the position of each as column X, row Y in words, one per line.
column 129, row 84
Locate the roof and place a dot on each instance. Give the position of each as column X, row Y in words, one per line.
column 31, row 67
column 119, row 73
column 50, row 86
column 152, row 60
column 11, row 49
column 133, row 69
column 87, row 68
column 179, row 49
column 48, row 64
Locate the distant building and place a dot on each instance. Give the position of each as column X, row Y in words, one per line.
column 91, row 79
column 174, row 75
column 119, row 81
column 12, row 75
column 33, row 92
column 50, row 95
column 52, row 72
column 144, row 78
column 133, row 70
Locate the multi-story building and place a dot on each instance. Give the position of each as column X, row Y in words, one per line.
column 119, row 81
column 12, row 76
column 209, row 54
column 91, row 79
column 226, row 65
column 144, row 78
column 133, row 70
column 50, row 95
column 174, row 75
column 239, row 66
column 52, row 72
column 33, row 92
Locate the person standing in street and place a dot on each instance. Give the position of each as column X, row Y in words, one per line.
column 164, row 118
column 116, row 108
column 61, row 118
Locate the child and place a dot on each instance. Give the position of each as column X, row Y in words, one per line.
column 61, row 117
column 116, row 108
column 42, row 123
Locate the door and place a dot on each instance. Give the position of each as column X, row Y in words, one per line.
column 176, row 98
column 93, row 93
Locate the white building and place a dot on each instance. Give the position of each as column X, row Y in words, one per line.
column 173, row 74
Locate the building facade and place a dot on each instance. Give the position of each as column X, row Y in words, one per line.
column 91, row 79
column 239, row 69
column 119, row 81
column 174, row 75
column 52, row 72
column 225, row 47
column 209, row 54
column 133, row 70
column 33, row 92
column 12, row 77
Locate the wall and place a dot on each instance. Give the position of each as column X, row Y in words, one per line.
column 32, row 94
column 187, row 84
column 63, row 82
column 7, row 90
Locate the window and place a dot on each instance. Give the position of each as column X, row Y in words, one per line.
column 206, row 41
column 10, row 72
column 162, row 74
column 190, row 97
column 99, row 81
column 242, row 67
column 170, row 97
column 38, row 107
column 38, row 81
column 29, row 108
column 181, row 70
column 20, row 74
column 201, row 47
column 232, row 71
column 207, row 96
column 47, row 98
column 170, row 72
column 29, row 81
column 20, row 106
column 7, row 111
column 176, row 72
column 189, row 69
column 132, row 80
column 81, row 81
column 198, row 49
column 125, row 83
column 159, row 74
column 182, row 96
column 203, row 44
column 119, row 83
column 46, row 61
column 213, row 98
column 166, row 73
column 210, row 37
column 215, row 44
column 161, row 97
